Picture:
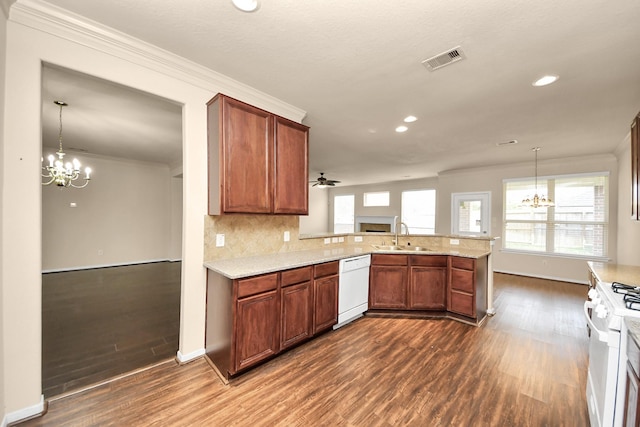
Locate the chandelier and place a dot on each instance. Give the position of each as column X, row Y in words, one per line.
column 59, row 173
column 537, row 201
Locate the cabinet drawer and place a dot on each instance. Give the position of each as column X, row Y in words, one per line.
column 633, row 353
column 256, row 285
column 326, row 269
column 297, row 275
column 382, row 259
column 429, row 260
column 462, row 280
column 462, row 304
column 463, row 263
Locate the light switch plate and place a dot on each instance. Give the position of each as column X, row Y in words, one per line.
column 327, row 240
column 219, row 240
column 287, row 236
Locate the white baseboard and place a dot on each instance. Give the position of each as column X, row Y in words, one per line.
column 23, row 414
column 184, row 358
column 90, row 267
column 558, row 279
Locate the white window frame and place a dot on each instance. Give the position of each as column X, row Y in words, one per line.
column 353, row 216
column 375, row 198
column 547, row 186
column 485, row 215
column 413, row 228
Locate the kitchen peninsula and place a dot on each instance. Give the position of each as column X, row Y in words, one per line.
column 261, row 305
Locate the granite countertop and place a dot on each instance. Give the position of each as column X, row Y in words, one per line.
column 237, row 268
column 609, row 273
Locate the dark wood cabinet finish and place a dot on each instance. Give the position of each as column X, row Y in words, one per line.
column 388, row 281
column 632, row 399
column 256, row 334
column 291, row 187
column 297, row 299
column 258, row 162
column 325, row 296
column 428, row 282
column 635, row 168
column 461, row 286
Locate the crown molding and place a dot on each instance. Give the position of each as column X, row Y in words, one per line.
column 45, row 17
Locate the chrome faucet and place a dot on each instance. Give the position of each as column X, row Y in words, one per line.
column 398, row 226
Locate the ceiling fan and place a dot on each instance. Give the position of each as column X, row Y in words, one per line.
column 324, row 182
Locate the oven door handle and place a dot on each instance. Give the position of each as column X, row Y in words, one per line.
column 602, row 335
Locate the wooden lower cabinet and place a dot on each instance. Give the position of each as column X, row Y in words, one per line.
column 388, row 281
column 297, row 315
column 325, row 296
column 256, row 331
column 461, row 286
column 428, row 283
column 632, row 398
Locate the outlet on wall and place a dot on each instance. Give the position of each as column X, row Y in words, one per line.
column 219, row 240
column 357, row 239
column 454, row 241
column 287, row 236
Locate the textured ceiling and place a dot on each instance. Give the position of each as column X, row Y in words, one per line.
column 355, row 67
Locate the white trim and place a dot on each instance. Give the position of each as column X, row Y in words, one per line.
column 24, row 413
column 549, row 177
column 537, row 276
column 184, row 358
column 62, row 23
column 122, row 264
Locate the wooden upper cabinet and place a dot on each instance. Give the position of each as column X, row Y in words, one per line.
column 258, row 162
column 291, row 168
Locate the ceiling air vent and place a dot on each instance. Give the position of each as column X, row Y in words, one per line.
column 449, row 57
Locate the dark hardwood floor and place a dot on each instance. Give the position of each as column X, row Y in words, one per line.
column 526, row 366
column 100, row 323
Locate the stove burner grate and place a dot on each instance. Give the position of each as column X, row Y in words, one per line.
column 632, row 301
column 621, row 288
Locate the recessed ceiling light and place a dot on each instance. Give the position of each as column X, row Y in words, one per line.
column 410, row 119
column 246, row 5
column 401, row 129
column 545, row 80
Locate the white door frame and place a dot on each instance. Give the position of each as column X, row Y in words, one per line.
column 485, row 199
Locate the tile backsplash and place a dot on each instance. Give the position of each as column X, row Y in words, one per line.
column 248, row 235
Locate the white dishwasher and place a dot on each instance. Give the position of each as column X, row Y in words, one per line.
column 353, row 293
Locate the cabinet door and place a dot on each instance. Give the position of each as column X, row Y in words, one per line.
column 291, row 174
column 325, row 303
column 297, row 321
column 427, row 288
column 632, row 401
column 388, row 286
column 247, row 141
column 256, row 329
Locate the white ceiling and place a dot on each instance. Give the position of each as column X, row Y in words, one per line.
column 355, row 67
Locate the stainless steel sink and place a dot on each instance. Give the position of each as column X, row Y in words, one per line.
column 401, row 248
column 389, row 247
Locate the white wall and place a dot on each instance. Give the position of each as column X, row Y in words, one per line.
column 628, row 230
column 490, row 179
column 122, row 217
column 175, row 242
column 395, row 190
column 317, row 221
column 3, row 40
column 36, row 34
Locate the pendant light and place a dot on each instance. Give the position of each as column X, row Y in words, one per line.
column 537, row 201
column 59, row 173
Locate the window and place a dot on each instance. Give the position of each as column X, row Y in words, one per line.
column 343, row 213
column 419, row 211
column 380, row 198
column 576, row 226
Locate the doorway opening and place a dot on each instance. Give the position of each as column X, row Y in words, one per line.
column 112, row 251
